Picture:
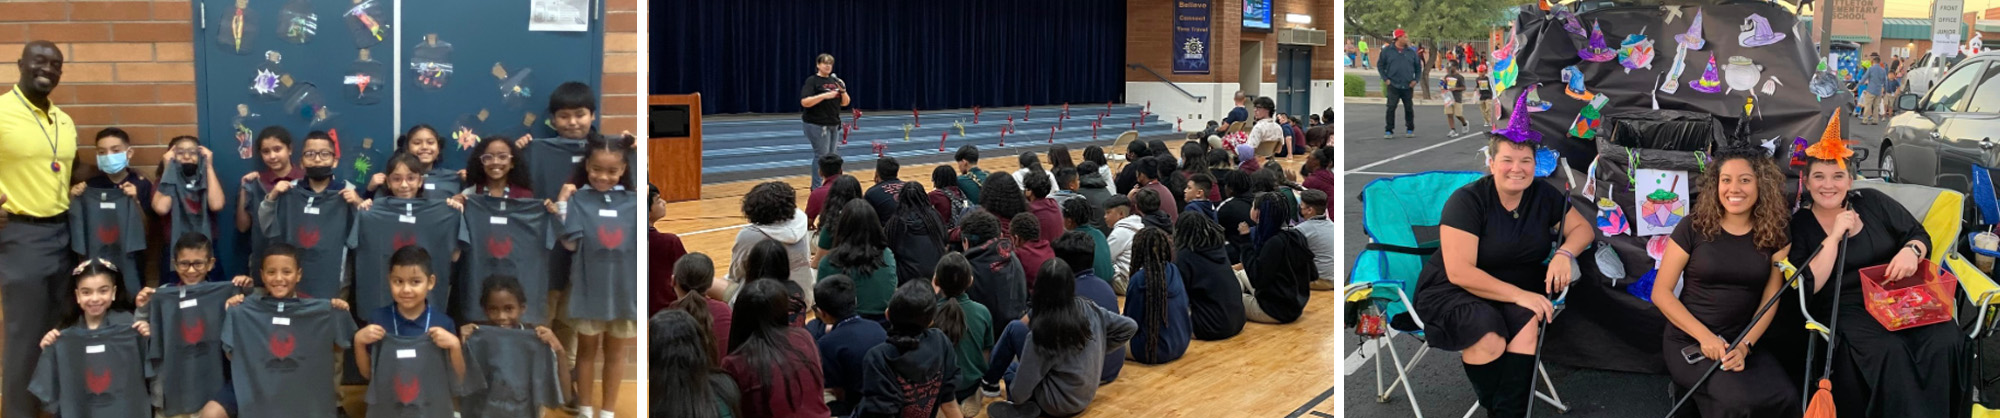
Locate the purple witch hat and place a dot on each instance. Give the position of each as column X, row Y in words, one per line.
column 1757, row 32
column 1519, row 129
column 1596, row 51
column 1692, row 39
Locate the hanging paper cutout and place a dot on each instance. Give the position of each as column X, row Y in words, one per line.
column 1675, row 11
column 1824, row 83
column 239, row 29
column 1692, row 39
column 1609, row 264
column 304, row 100
column 431, row 61
column 1505, row 72
column 297, row 23
column 1570, row 23
column 1546, row 161
column 1798, row 151
column 1573, row 84
column 1535, row 102
column 1757, row 32
column 1595, row 51
column 367, row 23
column 465, row 131
column 1771, row 85
column 364, row 80
column 1771, row 146
column 1710, row 81
column 1656, row 247
column 1673, row 83
column 514, row 89
column 1636, row 52
column 1742, row 73
column 1611, row 218
column 269, row 81
column 1664, row 205
column 241, row 126
column 1587, row 121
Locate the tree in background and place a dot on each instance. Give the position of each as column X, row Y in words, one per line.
column 1428, row 21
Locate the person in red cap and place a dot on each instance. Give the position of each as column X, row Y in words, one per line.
column 1485, row 86
column 1399, row 67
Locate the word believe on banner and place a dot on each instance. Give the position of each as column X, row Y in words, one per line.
column 1191, row 24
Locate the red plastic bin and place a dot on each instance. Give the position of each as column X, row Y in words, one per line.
column 1927, row 297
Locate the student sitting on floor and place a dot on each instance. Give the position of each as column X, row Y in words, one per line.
column 1056, row 374
column 1157, row 300
column 1215, row 299
column 775, row 363
column 862, row 254
column 913, row 373
column 915, row 235
column 966, row 322
column 998, row 281
column 1125, row 223
column 843, row 339
column 694, row 275
column 1197, row 194
column 1071, row 249
column 970, row 176
column 1029, row 246
column 1077, row 216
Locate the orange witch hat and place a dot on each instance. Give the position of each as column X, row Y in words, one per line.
column 1832, row 146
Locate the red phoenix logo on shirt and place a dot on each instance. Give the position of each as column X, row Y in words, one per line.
column 610, row 237
column 98, row 380
column 308, row 238
column 107, row 234
column 499, row 247
column 193, row 329
column 402, row 239
column 192, row 204
column 282, row 344
column 407, row 388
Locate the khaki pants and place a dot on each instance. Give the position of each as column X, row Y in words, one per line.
column 1486, row 111
column 1251, row 311
column 1871, row 105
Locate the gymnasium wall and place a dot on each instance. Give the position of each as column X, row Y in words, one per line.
column 1149, row 38
column 131, row 65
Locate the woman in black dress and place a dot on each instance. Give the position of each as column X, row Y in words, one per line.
column 1915, row 372
column 1497, row 266
column 1727, row 248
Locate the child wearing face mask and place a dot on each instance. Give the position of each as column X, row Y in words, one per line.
column 113, row 179
column 314, row 214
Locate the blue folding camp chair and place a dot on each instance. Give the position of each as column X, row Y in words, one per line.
column 1401, row 216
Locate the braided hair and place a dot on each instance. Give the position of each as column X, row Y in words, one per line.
column 1152, row 255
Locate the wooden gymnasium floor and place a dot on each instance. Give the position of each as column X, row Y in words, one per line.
column 1267, row 371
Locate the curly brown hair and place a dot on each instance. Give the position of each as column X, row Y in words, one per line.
column 1768, row 216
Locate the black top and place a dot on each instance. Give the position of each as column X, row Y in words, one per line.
column 1724, row 281
column 1234, row 212
column 1485, row 86
column 1514, row 246
column 883, row 197
column 827, row 112
column 1457, row 94
column 913, row 383
column 1215, row 300
column 1885, row 227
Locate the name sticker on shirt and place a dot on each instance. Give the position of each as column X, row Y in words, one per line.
column 94, row 349
column 498, row 220
column 430, row 186
column 575, row 159
column 107, row 205
column 406, row 219
column 189, row 303
column 607, row 213
column 279, row 320
column 406, row 353
column 312, row 210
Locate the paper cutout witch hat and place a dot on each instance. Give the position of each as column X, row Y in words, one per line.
column 1831, row 145
column 1635, row 53
column 1711, row 81
column 1692, row 39
column 1519, row 128
column 1596, row 51
column 1535, row 102
column 1573, row 84
column 1757, row 32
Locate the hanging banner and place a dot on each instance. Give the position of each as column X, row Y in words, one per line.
column 1946, row 33
column 1191, row 23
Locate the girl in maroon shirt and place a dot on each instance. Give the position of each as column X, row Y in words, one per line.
column 775, row 364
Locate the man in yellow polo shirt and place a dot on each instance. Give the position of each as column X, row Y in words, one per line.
column 37, row 147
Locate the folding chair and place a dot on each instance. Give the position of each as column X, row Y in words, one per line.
column 1117, row 150
column 1941, row 212
column 1268, row 148
column 1401, row 217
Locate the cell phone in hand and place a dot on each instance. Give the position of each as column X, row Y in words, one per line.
column 1692, row 354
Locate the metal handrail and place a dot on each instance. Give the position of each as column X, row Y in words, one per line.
column 1177, row 87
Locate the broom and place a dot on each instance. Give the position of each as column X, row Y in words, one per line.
column 1821, row 405
column 1839, row 256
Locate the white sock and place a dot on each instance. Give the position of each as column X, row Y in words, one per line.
column 604, row 414
column 585, row 412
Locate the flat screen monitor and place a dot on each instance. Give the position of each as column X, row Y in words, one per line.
column 668, row 121
column 1257, row 15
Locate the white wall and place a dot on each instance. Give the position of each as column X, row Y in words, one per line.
column 1325, row 94
column 1170, row 104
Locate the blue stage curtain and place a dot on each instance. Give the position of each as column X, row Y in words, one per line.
column 752, row 56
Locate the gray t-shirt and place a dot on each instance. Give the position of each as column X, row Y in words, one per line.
column 190, row 209
column 441, row 183
column 391, row 224
column 550, row 163
column 605, row 267
column 412, row 379
column 509, row 237
column 186, row 347
column 282, row 353
column 509, row 373
column 91, row 373
column 318, row 223
column 105, row 224
column 254, row 193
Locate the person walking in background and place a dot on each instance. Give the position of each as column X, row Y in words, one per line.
column 822, row 96
column 1399, row 69
column 1874, row 82
column 1454, row 98
column 1361, row 47
column 1349, row 50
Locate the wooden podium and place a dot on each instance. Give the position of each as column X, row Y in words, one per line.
column 673, row 149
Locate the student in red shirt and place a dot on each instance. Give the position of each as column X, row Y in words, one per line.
column 774, row 363
column 829, row 168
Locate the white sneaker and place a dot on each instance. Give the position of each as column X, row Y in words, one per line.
column 585, row 411
column 604, row 414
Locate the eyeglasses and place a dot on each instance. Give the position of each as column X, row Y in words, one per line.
column 318, row 154
column 495, row 158
column 190, row 265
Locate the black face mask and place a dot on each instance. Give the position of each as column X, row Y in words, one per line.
column 319, row 173
column 189, row 169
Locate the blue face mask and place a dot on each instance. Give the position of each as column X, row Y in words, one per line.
column 112, row 164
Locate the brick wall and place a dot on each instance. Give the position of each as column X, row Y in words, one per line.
column 1149, row 39
column 131, row 65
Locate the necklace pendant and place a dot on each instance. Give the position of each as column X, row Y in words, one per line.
column 55, row 166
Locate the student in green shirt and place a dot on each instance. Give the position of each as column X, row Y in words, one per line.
column 968, row 163
column 862, row 252
column 1076, row 217
column 964, row 321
